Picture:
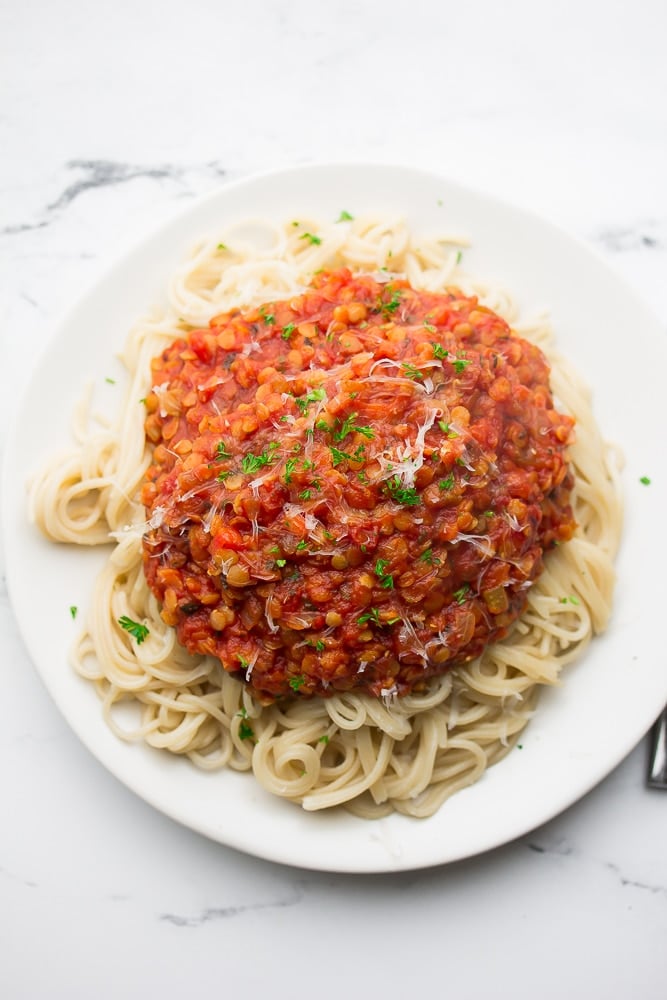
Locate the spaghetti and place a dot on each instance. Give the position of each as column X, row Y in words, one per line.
column 371, row 755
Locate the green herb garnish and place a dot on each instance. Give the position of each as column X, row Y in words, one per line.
column 314, row 396
column 246, row 731
column 311, row 238
column 252, row 463
column 370, row 616
column 446, row 429
column 338, row 456
column 406, row 495
column 135, row 629
column 349, row 425
column 460, row 365
column 390, row 307
column 410, row 371
column 386, row 579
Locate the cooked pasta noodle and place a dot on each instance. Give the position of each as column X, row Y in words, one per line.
column 369, row 755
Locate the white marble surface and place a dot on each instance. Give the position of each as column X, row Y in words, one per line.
column 112, row 115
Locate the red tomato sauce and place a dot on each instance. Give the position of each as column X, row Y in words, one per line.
column 352, row 489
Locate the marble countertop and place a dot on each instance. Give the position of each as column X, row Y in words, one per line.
column 109, row 118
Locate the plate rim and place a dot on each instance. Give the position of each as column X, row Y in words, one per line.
column 107, row 267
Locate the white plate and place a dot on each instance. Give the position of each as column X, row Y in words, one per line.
column 582, row 729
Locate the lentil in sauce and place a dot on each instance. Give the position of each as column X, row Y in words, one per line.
column 352, row 489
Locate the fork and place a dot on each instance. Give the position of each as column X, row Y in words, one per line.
column 657, row 764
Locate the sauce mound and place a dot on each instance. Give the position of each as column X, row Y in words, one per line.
column 352, row 489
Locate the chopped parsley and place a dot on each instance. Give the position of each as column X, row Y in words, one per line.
column 253, row 463
column 222, row 246
column 348, row 426
column 645, row 480
column 432, row 329
column 447, row 429
column 448, row 483
column 308, row 492
column 438, row 350
column 370, row 616
column 268, row 318
column 570, row 599
column 290, row 466
column 386, row 579
column 460, row 365
column 410, row 371
column 428, row 557
column 406, row 495
column 135, row 629
column 280, row 563
column 246, row 731
column 338, row 456
column 302, row 546
column 221, row 452
column 316, row 240
column 296, row 682
column 287, row 331
column 389, row 308
column 314, row 396
column 111, row 381
column 73, row 610
column 323, row 739
column 345, row 217
column 459, row 256
column 460, row 594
